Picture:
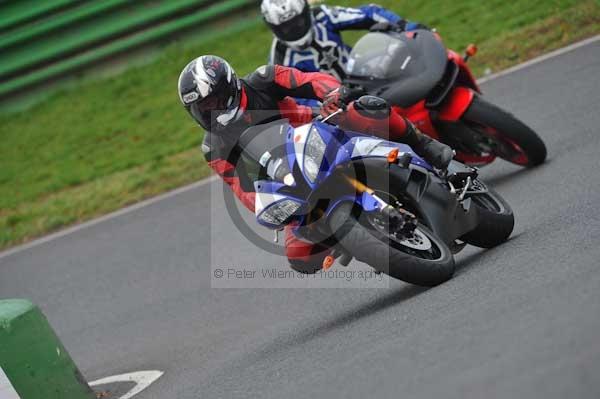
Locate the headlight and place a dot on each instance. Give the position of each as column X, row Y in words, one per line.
column 311, row 168
column 279, row 212
column 313, row 154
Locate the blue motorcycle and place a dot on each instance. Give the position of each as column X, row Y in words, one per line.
column 370, row 199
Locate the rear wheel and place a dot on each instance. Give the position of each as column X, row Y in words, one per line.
column 496, row 220
column 513, row 140
column 421, row 258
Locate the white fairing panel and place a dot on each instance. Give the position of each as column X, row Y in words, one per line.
column 300, row 136
column 264, row 200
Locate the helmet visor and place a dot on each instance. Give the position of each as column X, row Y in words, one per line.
column 295, row 28
column 207, row 110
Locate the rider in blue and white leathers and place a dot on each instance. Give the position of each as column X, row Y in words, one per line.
column 310, row 38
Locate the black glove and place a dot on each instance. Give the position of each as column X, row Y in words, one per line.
column 420, row 26
column 339, row 99
column 400, row 26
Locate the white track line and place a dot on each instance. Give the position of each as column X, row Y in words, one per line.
column 539, row 59
column 7, row 391
column 208, row 180
column 142, row 379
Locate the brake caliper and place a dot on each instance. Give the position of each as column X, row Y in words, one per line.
column 399, row 221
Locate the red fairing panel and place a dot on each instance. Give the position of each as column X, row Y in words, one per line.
column 465, row 77
column 420, row 117
column 456, row 104
column 314, row 85
column 226, row 171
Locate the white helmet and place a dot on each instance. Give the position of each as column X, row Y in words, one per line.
column 290, row 20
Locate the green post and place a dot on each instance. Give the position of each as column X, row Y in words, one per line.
column 35, row 363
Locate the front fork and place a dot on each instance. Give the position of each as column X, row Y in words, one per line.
column 397, row 219
column 363, row 189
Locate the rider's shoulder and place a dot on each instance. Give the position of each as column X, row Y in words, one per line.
column 323, row 11
column 262, row 75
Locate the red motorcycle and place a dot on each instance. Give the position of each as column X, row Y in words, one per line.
column 434, row 88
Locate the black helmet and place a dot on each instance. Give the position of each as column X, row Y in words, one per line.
column 290, row 20
column 210, row 90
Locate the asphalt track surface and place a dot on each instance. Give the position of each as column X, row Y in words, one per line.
column 518, row 321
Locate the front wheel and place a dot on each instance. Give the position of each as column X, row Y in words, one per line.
column 421, row 259
column 496, row 219
column 515, row 141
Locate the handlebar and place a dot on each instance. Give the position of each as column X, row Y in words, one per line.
column 323, row 120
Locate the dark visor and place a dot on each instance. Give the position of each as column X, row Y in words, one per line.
column 206, row 110
column 294, row 29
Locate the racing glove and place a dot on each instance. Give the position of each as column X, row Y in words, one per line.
column 400, row 26
column 339, row 99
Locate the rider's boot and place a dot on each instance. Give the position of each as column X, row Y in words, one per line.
column 435, row 153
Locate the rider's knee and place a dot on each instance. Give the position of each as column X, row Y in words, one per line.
column 305, row 267
column 305, row 258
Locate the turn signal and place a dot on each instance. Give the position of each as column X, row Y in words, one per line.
column 328, row 262
column 471, row 50
column 392, row 156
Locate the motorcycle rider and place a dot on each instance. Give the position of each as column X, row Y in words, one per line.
column 310, row 38
column 225, row 106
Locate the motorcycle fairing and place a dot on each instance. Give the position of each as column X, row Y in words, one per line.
column 465, row 77
column 441, row 210
column 268, row 194
column 456, row 104
column 413, row 65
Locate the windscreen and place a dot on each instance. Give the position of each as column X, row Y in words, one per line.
column 378, row 56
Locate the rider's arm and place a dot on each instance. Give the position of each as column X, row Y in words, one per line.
column 283, row 84
column 345, row 18
column 226, row 171
column 297, row 114
column 295, row 83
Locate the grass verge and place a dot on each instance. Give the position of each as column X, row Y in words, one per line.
column 99, row 146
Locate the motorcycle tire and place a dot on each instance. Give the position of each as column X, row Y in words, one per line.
column 532, row 149
column 496, row 223
column 370, row 246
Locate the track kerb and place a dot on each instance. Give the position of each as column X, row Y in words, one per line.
column 33, row 362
